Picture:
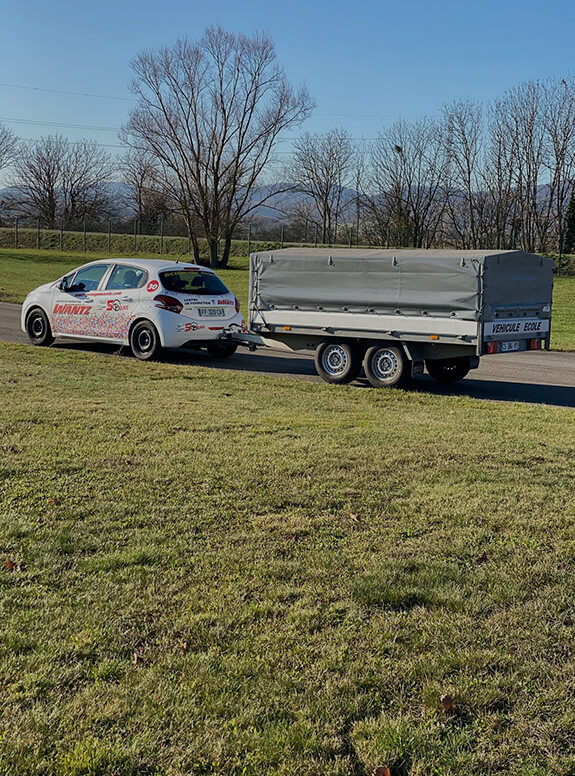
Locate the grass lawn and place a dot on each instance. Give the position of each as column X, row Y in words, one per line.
column 23, row 270
column 214, row 573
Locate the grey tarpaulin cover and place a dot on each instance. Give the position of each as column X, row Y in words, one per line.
column 413, row 282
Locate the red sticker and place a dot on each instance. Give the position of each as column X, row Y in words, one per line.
column 152, row 286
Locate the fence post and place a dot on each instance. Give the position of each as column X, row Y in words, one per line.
column 16, row 240
column 315, row 237
column 305, row 232
column 161, row 235
column 62, row 235
column 249, row 239
column 37, row 234
column 109, row 235
column 135, row 233
column 84, row 242
column 189, row 242
column 282, row 236
column 350, row 236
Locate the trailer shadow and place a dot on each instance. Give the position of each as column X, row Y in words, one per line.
column 301, row 367
column 501, row 390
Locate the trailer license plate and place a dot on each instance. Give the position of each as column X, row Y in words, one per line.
column 507, row 347
column 211, row 312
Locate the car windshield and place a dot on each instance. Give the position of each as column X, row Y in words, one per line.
column 192, row 281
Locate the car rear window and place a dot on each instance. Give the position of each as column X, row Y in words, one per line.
column 192, row 281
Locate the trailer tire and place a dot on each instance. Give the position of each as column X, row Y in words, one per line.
column 448, row 370
column 337, row 362
column 386, row 366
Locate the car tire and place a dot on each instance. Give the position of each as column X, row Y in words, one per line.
column 38, row 327
column 337, row 362
column 448, row 370
column 222, row 349
column 386, row 366
column 145, row 341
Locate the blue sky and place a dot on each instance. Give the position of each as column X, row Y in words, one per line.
column 366, row 63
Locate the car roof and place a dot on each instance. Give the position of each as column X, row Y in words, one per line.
column 155, row 264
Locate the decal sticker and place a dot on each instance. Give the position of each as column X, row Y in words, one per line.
column 190, row 327
column 225, row 301
column 114, row 304
column 152, row 286
column 71, row 309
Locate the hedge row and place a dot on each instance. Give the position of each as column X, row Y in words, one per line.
column 120, row 244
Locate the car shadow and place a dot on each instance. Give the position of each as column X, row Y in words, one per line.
column 302, row 367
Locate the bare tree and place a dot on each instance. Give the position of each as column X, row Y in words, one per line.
column 55, row 179
column 408, row 181
column 148, row 197
column 211, row 113
column 321, row 168
column 8, row 144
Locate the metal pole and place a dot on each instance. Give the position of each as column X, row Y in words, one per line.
column 282, row 237
column 62, row 235
column 135, row 232
column 109, row 235
column 350, row 235
column 315, row 237
column 161, row 234
column 16, row 240
column 85, row 242
column 249, row 239
column 38, row 234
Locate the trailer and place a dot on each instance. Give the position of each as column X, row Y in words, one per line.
column 395, row 312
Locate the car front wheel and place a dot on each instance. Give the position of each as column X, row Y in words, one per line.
column 38, row 328
column 145, row 342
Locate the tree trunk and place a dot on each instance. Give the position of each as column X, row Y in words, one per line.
column 213, row 247
column 226, row 254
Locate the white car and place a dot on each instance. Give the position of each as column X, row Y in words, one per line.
column 146, row 304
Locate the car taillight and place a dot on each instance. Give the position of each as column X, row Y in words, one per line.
column 165, row 302
column 491, row 347
column 237, row 301
column 533, row 344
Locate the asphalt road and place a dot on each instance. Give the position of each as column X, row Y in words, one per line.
column 537, row 377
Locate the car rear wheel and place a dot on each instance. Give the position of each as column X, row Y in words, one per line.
column 386, row 366
column 337, row 362
column 145, row 342
column 448, row 370
column 38, row 328
column 222, row 348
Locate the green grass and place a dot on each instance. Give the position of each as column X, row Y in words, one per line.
column 217, row 573
column 563, row 317
column 23, row 270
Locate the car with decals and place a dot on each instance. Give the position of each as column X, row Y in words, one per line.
column 143, row 303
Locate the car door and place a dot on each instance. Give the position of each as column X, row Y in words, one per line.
column 116, row 302
column 73, row 311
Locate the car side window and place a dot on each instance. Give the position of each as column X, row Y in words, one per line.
column 88, row 279
column 124, row 277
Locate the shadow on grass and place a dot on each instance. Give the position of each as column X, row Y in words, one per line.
column 301, row 367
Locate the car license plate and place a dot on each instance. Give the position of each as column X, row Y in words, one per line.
column 507, row 347
column 211, row 312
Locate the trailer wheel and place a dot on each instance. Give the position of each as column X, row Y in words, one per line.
column 337, row 362
column 386, row 366
column 448, row 370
